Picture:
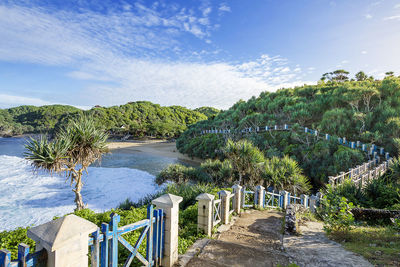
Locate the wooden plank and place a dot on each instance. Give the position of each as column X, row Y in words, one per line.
column 133, row 226
column 5, row 258
column 104, row 246
column 149, row 247
column 23, row 251
column 95, row 249
column 113, row 260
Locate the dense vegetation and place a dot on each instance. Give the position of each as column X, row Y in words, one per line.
column 244, row 164
column 136, row 119
column 131, row 213
column 363, row 109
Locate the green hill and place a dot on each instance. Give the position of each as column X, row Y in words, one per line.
column 137, row 119
column 368, row 111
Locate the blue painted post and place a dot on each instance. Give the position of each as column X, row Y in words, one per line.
column 160, row 244
column 327, row 136
column 363, row 147
column 155, row 236
column 288, row 199
column 340, row 140
column 381, row 151
column 266, row 128
column 316, row 133
column 149, row 247
column 95, row 249
column 281, row 199
column 387, row 156
column 358, row 143
column 115, row 219
column 23, row 251
column 258, row 129
column 305, row 129
column 104, row 245
column 276, row 127
column 5, row 258
column 353, row 145
column 344, row 140
column 286, row 127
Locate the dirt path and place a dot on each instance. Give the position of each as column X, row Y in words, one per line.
column 254, row 240
column 313, row 248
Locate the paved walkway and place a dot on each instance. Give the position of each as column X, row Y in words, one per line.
column 255, row 240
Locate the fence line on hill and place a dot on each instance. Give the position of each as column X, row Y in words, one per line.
column 361, row 174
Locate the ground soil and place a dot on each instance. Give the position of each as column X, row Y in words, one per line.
column 255, row 239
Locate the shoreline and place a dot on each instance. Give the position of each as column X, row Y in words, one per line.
column 163, row 148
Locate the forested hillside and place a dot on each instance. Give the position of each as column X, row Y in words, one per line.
column 136, row 119
column 365, row 109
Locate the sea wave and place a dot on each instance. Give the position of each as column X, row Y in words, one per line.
column 28, row 198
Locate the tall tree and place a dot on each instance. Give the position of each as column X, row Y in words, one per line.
column 361, row 76
column 71, row 152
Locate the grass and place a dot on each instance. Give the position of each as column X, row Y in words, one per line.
column 379, row 245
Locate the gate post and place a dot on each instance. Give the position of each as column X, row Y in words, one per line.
column 260, row 196
column 170, row 204
column 225, row 201
column 65, row 239
column 205, row 213
column 237, row 189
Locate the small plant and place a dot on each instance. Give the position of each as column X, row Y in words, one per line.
column 335, row 210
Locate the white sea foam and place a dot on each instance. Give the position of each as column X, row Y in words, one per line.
column 31, row 199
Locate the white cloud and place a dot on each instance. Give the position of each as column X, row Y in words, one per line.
column 344, row 61
column 397, row 6
column 368, row 16
column 396, row 17
column 364, row 52
column 13, row 100
column 118, row 55
column 224, row 8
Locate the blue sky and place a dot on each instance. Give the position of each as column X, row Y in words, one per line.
column 190, row 53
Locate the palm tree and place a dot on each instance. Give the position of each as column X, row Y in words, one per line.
column 285, row 174
column 246, row 160
column 71, row 152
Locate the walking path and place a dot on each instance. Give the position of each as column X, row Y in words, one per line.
column 255, row 239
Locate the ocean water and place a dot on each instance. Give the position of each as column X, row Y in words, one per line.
column 29, row 198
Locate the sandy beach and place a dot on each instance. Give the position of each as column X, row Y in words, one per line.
column 157, row 147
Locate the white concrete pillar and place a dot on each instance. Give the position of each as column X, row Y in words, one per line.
column 205, row 213
column 225, row 201
column 65, row 240
column 304, row 200
column 237, row 190
column 170, row 205
column 260, row 195
column 285, row 199
column 313, row 203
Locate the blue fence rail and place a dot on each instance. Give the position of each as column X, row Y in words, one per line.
column 104, row 242
column 247, row 195
column 25, row 259
column 273, row 199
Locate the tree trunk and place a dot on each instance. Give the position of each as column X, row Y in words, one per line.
column 78, row 197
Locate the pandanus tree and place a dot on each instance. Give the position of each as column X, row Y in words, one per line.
column 71, row 152
column 246, row 160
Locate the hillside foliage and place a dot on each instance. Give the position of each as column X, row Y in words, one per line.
column 136, row 119
column 366, row 110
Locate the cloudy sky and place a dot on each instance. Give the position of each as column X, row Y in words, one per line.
column 187, row 52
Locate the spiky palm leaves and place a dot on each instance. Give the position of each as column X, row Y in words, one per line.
column 245, row 159
column 285, row 174
column 72, row 151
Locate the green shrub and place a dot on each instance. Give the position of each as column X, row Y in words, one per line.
column 335, row 210
column 10, row 240
column 381, row 194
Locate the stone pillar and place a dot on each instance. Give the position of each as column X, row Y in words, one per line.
column 170, row 205
column 237, row 190
column 313, row 202
column 304, row 200
column 205, row 213
column 260, row 196
column 286, row 199
column 65, row 240
column 225, row 199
